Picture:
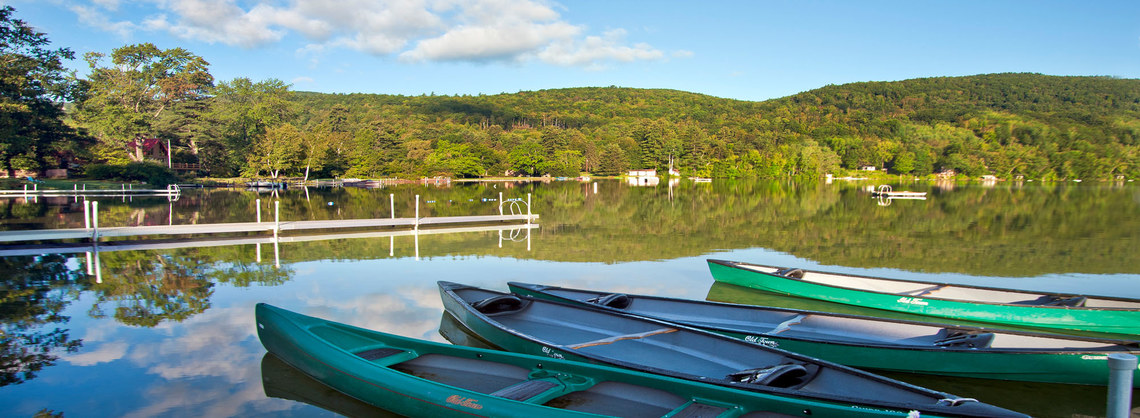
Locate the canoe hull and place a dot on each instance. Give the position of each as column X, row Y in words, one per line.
column 1109, row 321
column 1070, row 366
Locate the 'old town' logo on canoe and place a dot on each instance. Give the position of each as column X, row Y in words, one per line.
column 913, row 301
column 464, row 402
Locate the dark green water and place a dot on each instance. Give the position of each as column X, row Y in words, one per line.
column 170, row 331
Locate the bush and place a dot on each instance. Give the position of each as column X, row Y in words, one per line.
column 151, row 173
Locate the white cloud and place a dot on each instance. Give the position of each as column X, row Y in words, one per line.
column 97, row 19
column 302, row 79
column 105, row 353
column 413, row 30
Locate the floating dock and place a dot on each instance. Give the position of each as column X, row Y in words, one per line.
column 93, row 232
column 171, row 191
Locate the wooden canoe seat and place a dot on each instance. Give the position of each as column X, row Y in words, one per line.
column 525, row 390
column 616, row 338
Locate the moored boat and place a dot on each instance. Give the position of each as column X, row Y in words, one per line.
column 972, row 303
column 875, row 343
column 420, row 378
column 564, row 331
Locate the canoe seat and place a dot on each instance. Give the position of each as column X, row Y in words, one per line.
column 378, row 353
column 965, row 339
column 698, row 410
column 613, row 300
column 525, row 390
column 1055, row 300
column 791, row 273
column 782, row 376
column 497, row 304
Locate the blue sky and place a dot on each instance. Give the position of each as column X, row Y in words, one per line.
column 748, row 50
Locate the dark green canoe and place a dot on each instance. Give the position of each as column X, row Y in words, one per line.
column 973, row 303
column 875, row 343
column 565, row 331
column 425, row 379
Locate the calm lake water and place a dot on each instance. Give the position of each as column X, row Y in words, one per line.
column 169, row 332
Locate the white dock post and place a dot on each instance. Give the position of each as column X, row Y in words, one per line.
column 258, row 210
column 86, row 214
column 98, row 265
column 1121, row 366
column 276, row 218
column 392, row 202
column 95, row 223
column 417, row 222
column 90, row 267
column 528, row 210
column 500, row 206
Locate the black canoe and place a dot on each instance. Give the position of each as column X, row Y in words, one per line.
column 565, row 331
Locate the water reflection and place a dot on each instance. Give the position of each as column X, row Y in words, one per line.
column 280, row 380
column 33, row 333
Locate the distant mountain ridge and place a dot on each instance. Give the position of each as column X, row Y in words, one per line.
column 1011, row 124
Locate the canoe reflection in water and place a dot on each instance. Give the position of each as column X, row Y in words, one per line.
column 282, row 381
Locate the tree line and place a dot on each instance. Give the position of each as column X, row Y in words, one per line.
column 138, row 97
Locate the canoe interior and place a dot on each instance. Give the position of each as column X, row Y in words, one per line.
column 819, row 326
column 678, row 351
column 936, row 290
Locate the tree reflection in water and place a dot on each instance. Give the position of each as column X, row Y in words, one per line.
column 35, row 290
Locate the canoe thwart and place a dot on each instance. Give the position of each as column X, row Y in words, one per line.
column 789, row 376
column 786, row 325
column 497, row 304
column 613, row 300
column 616, row 338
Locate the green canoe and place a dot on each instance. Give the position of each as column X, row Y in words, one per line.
column 874, row 343
column 419, row 378
column 972, row 303
column 565, row 331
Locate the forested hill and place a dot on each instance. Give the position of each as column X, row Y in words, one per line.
column 1031, row 125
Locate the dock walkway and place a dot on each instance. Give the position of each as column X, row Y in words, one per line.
column 245, row 227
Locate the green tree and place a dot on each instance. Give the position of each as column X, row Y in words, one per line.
column 275, row 152
column 127, row 99
column 612, row 161
column 33, row 83
column 243, row 111
column 527, row 158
